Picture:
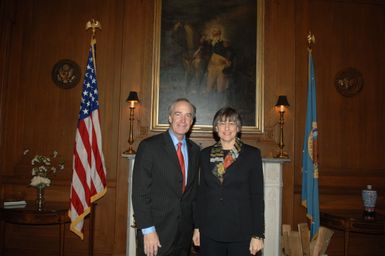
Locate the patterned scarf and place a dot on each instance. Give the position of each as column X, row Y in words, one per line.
column 221, row 162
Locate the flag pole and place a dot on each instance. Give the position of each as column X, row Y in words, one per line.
column 310, row 41
column 93, row 25
column 309, row 194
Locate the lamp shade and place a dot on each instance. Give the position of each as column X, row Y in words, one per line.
column 282, row 101
column 133, row 97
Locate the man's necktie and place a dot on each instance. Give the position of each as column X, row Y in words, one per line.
column 181, row 163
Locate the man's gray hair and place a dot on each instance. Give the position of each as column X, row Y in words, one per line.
column 172, row 106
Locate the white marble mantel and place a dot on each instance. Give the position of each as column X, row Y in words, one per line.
column 272, row 175
column 272, row 171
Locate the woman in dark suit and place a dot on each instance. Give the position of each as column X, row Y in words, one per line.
column 230, row 203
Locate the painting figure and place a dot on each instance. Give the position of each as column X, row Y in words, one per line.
column 219, row 66
column 214, row 58
column 182, row 35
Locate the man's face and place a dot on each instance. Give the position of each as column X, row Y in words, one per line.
column 181, row 119
column 215, row 32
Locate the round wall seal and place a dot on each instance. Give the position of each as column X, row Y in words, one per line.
column 66, row 74
column 349, row 81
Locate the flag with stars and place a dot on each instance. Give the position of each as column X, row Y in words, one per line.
column 89, row 172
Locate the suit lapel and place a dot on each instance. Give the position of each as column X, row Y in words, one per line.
column 174, row 173
column 191, row 165
column 234, row 167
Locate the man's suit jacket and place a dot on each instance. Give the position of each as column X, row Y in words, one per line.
column 234, row 210
column 157, row 189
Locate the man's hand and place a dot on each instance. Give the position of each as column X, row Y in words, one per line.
column 196, row 237
column 255, row 245
column 151, row 244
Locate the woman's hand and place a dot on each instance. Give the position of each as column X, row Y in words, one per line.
column 196, row 237
column 255, row 245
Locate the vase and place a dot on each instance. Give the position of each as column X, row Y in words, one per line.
column 369, row 198
column 40, row 201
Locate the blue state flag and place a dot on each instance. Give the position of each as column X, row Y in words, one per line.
column 310, row 155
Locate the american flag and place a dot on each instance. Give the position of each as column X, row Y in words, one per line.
column 89, row 171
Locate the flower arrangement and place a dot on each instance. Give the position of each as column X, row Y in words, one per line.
column 42, row 167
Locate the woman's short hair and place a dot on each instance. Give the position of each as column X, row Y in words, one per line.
column 227, row 114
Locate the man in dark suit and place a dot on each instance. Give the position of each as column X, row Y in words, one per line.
column 164, row 186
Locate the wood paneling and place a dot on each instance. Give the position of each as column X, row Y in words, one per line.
column 348, row 34
column 36, row 114
column 40, row 116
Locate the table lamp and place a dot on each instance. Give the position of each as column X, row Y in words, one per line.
column 131, row 99
column 281, row 105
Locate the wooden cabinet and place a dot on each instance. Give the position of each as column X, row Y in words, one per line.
column 352, row 221
column 54, row 213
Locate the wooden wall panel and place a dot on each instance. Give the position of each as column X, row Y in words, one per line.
column 349, row 138
column 40, row 116
column 350, row 144
column 280, row 80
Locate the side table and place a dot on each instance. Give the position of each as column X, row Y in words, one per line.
column 352, row 221
column 54, row 213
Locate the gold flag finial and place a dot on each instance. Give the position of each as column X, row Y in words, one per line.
column 310, row 40
column 93, row 24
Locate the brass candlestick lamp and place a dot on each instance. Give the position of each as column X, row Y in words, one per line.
column 281, row 104
column 132, row 99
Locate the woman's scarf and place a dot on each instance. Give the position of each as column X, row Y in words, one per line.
column 221, row 163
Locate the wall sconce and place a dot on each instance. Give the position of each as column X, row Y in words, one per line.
column 281, row 105
column 132, row 99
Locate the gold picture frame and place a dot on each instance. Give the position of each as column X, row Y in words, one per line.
column 212, row 53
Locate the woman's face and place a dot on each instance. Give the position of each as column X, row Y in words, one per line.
column 227, row 131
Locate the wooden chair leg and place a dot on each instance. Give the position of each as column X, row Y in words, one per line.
column 286, row 229
column 320, row 242
column 304, row 235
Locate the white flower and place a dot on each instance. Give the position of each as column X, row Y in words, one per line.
column 47, row 161
column 38, row 181
column 43, row 167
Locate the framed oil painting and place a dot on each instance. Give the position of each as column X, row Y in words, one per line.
column 210, row 52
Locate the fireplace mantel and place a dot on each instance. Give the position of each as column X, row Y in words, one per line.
column 272, row 171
